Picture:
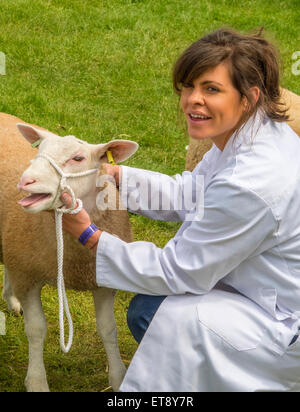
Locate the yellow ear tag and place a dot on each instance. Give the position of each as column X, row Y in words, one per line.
column 110, row 158
column 36, row 143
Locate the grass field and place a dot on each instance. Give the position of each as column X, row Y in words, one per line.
column 102, row 70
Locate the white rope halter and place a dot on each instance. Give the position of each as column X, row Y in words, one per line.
column 62, row 297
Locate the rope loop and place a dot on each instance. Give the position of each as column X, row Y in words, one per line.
column 62, row 296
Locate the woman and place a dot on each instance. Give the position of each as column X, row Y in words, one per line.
column 225, row 290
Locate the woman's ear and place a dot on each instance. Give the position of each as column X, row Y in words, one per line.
column 255, row 92
column 254, row 96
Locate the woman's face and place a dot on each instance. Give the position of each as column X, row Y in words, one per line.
column 212, row 106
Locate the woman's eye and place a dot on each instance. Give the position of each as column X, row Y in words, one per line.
column 78, row 158
column 187, row 85
column 213, row 89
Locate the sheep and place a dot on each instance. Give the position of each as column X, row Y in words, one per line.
column 28, row 242
column 198, row 148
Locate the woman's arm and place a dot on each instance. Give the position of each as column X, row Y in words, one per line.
column 159, row 196
column 235, row 224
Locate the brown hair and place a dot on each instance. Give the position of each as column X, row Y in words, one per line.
column 252, row 61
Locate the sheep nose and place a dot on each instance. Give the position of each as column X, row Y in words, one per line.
column 25, row 181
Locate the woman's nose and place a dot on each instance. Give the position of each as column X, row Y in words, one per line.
column 196, row 97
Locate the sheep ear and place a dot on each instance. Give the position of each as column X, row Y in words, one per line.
column 120, row 149
column 31, row 134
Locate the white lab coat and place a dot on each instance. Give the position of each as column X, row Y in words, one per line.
column 232, row 273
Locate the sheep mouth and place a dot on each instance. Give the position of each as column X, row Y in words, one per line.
column 34, row 199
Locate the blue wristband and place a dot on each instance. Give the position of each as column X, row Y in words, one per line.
column 89, row 231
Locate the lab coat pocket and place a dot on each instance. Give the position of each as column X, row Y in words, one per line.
column 233, row 318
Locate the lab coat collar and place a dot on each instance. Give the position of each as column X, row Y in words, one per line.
column 248, row 132
column 247, row 135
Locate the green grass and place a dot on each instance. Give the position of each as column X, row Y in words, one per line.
column 102, row 70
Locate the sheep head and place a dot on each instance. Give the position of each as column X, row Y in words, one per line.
column 42, row 181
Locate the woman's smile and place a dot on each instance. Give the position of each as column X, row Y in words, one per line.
column 198, row 117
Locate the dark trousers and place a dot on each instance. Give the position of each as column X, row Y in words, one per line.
column 141, row 310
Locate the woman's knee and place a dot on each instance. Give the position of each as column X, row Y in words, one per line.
column 141, row 311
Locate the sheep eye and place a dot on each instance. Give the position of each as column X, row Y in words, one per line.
column 78, row 158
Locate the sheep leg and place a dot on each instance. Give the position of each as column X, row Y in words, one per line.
column 36, row 329
column 107, row 330
column 12, row 302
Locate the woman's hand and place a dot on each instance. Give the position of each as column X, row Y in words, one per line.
column 76, row 224
column 113, row 170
